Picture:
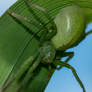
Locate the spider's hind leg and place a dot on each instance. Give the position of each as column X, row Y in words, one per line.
column 63, row 64
column 61, row 54
column 88, row 33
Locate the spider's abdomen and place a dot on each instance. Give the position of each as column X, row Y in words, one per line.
column 70, row 23
column 47, row 52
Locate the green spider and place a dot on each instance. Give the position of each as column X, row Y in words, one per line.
column 54, row 41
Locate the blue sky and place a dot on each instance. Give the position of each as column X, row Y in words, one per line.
column 63, row 80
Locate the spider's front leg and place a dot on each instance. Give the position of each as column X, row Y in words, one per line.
column 34, row 6
column 18, row 19
column 63, row 64
column 47, row 33
column 52, row 30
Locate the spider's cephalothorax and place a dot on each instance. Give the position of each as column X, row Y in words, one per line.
column 67, row 30
column 47, row 52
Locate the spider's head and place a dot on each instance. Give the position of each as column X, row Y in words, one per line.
column 47, row 52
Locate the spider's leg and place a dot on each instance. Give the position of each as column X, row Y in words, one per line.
column 63, row 64
column 43, row 10
column 19, row 17
column 35, row 6
column 21, row 71
column 88, row 33
column 52, row 30
column 28, row 76
column 35, row 15
column 59, row 55
column 45, row 34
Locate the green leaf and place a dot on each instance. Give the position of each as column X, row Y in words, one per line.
column 14, row 36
